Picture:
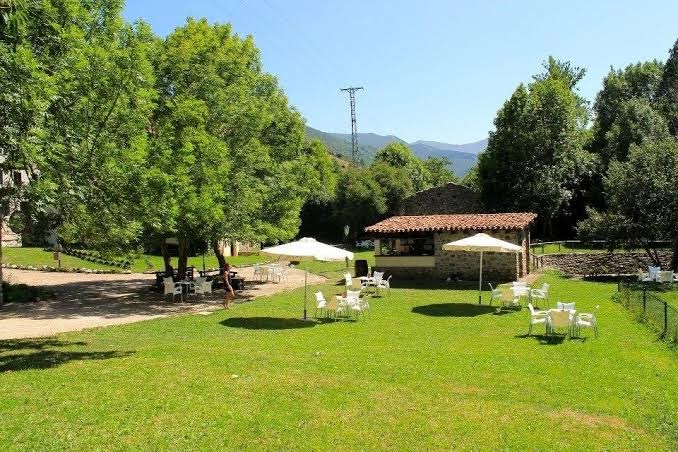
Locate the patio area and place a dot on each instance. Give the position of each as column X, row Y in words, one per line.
column 89, row 300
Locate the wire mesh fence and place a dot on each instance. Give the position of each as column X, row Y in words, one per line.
column 646, row 302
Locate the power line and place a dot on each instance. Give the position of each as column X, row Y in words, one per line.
column 354, row 127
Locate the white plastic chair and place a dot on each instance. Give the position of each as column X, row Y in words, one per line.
column 172, row 288
column 385, row 284
column 495, row 293
column 536, row 317
column 540, row 294
column 258, row 275
column 586, row 320
column 565, row 306
column 283, row 274
column 665, row 276
column 643, row 277
column 348, row 281
column 652, row 272
column 203, row 287
column 558, row 319
column 360, row 306
column 378, row 278
column 320, row 303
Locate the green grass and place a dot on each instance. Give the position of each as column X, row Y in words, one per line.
column 147, row 262
column 428, row 370
column 38, row 257
column 336, row 270
column 554, row 248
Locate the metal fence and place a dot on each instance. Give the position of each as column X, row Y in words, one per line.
column 644, row 299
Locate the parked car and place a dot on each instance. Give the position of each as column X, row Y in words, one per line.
column 364, row 243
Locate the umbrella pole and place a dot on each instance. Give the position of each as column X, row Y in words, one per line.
column 480, row 280
column 305, row 276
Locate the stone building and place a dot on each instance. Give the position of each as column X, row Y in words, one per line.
column 411, row 247
column 10, row 179
column 445, row 199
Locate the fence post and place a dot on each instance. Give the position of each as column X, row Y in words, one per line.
column 559, row 247
column 644, row 299
column 666, row 319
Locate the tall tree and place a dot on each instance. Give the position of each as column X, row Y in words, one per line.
column 535, row 154
column 642, row 200
column 228, row 142
column 75, row 92
column 624, row 110
column 360, row 200
column 667, row 91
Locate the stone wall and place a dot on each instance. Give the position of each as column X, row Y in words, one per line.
column 589, row 264
column 446, row 199
column 465, row 265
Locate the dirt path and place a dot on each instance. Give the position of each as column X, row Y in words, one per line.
column 88, row 300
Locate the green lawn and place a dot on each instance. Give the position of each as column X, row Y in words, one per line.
column 38, row 257
column 554, row 248
column 428, row 370
column 336, row 270
column 147, row 262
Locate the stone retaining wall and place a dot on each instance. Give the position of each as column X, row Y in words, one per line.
column 591, row 264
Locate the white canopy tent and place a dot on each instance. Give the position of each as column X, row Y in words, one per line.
column 308, row 249
column 482, row 243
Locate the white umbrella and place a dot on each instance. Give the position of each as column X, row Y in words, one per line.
column 481, row 243
column 308, row 249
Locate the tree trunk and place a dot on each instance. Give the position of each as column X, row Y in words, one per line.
column 674, row 255
column 165, row 254
column 182, row 265
column 219, row 253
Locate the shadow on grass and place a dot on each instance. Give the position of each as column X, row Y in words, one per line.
column 267, row 323
column 46, row 353
column 454, row 310
column 544, row 339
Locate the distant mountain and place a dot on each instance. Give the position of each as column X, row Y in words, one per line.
column 462, row 156
column 340, row 146
column 474, row 148
column 462, row 162
column 370, row 139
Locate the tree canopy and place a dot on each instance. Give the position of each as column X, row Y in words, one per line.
column 535, row 154
column 642, row 200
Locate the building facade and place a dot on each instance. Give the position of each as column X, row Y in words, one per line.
column 411, row 246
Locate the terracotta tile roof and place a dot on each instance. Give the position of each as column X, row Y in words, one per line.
column 473, row 221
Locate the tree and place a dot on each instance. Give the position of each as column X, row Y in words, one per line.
column 642, row 201
column 437, row 171
column 399, row 155
column 395, row 182
column 535, row 154
column 667, row 91
column 360, row 200
column 624, row 110
column 75, row 92
column 226, row 143
column 636, row 122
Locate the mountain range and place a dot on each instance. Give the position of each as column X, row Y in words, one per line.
column 462, row 156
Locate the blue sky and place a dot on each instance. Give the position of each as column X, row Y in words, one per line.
column 432, row 69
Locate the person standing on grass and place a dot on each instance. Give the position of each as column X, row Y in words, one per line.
column 230, row 295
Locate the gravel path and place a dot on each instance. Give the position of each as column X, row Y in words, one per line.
column 89, row 300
